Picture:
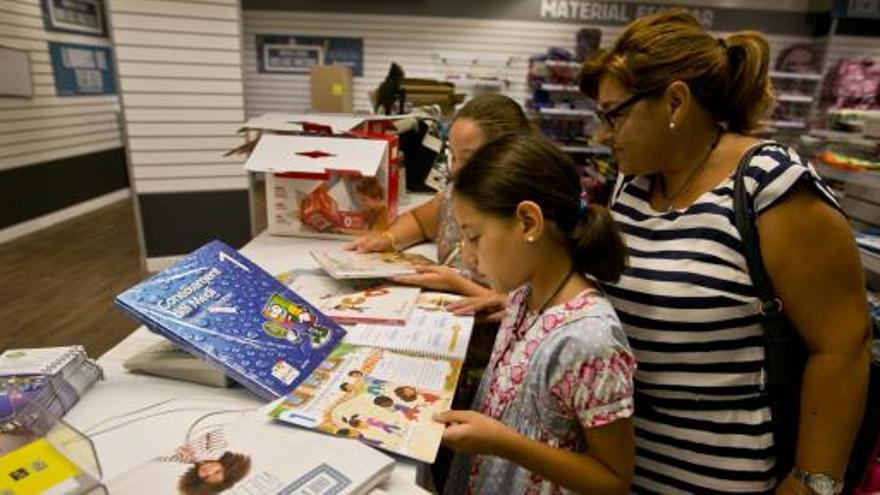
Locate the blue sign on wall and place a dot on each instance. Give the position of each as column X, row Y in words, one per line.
column 75, row 16
column 82, row 70
column 297, row 54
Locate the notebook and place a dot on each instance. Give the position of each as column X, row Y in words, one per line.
column 343, row 264
column 220, row 306
column 254, row 456
column 383, row 397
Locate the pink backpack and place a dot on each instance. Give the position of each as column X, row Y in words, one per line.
column 852, row 83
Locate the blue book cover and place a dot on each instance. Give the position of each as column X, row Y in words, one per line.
column 221, row 307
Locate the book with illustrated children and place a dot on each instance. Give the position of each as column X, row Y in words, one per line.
column 360, row 301
column 221, row 307
column 384, row 383
column 255, row 456
column 344, row 264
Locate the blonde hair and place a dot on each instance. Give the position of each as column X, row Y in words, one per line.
column 728, row 77
column 496, row 115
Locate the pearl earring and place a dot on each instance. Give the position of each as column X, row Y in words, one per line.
column 672, row 126
column 530, row 238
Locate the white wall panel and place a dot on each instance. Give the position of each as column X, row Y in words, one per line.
column 417, row 44
column 182, row 92
column 48, row 127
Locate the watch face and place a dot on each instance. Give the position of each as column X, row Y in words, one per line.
column 822, row 484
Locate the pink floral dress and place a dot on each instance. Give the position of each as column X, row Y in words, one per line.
column 568, row 369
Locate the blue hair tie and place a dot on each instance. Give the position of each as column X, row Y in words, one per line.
column 584, row 206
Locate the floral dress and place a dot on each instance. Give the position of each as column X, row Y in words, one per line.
column 550, row 376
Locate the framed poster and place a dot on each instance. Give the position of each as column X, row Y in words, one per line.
column 293, row 59
column 75, row 16
column 82, row 70
column 330, row 50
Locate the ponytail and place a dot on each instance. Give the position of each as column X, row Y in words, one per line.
column 749, row 94
column 597, row 246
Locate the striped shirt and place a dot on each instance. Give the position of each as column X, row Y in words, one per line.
column 690, row 311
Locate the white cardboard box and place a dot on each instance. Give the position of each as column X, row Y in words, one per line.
column 331, row 186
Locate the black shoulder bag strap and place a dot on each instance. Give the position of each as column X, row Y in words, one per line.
column 784, row 351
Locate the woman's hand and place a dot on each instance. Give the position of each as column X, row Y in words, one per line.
column 474, row 433
column 442, row 278
column 371, row 241
column 489, row 307
column 791, row 486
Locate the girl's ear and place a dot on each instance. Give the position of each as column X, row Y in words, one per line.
column 530, row 221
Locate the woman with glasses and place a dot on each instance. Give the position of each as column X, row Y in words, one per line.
column 677, row 107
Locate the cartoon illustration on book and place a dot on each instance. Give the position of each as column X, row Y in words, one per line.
column 287, row 320
column 360, row 393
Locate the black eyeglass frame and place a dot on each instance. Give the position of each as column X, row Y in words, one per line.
column 607, row 117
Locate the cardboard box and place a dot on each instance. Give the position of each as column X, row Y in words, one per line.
column 332, row 89
column 326, row 185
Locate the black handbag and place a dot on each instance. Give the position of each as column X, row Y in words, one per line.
column 785, row 353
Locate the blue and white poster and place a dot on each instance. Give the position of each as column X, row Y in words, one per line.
column 75, row 16
column 82, row 70
column 283, row 53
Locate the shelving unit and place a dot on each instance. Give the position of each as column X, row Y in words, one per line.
column 796, row 93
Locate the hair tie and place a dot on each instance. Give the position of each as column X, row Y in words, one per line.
column 583, row 205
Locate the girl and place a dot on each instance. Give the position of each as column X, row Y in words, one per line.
column 482, row 119
column 679, row 126
column 552, row 411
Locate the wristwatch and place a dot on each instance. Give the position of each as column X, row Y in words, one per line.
column 818, row 483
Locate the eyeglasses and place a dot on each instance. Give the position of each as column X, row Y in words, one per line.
column 610, row 117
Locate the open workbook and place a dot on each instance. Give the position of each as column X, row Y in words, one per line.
column 345, row 264
column 353, row 301
column 254, row 456
column 384, row 383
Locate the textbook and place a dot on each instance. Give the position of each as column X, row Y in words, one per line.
column 53, row 377
column 255, row 456
column 344, row 264
column 349, row 303
column 383, row 384
column 220, row 306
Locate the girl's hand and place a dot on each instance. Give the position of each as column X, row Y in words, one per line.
column 474, row 433
column 489, row 307
column 442, row 278
column 372, row 241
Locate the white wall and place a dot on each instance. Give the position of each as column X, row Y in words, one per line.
column 413, row 42
column 47, row 127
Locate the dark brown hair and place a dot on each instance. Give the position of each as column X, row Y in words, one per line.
column 235, row 468
column 729, row 77
column 527, row 167
column 495, row 115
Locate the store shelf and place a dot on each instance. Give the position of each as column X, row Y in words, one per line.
column 804, row 76
column 469, row 83
column 867, row 179
column 794, row 98
column 562, row 63
column 592, row 150
column 786, row 124
column 562, row 88
column 566, row 112
column 870, row 261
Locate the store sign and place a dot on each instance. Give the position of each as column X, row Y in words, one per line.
column 611, row 12
column 280, row 53
column 82, row 70
column 75, row 16
column 864, row 9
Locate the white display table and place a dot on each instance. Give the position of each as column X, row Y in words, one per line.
column 132, row 417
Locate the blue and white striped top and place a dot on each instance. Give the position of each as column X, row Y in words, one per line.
column 690, row 312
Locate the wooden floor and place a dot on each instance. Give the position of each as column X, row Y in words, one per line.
column 57, row 285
